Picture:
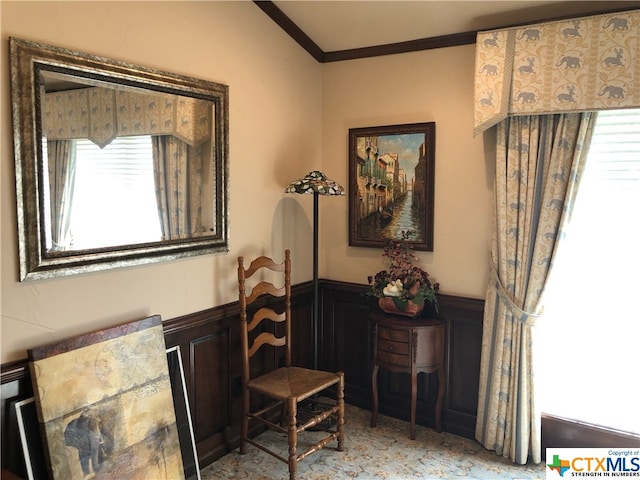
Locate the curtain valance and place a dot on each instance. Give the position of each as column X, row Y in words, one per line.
column 102, row 114
column 581, row 64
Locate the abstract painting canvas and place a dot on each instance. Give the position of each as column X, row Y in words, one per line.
column 105, row 404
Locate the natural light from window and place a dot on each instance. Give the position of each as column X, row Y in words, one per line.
column 588, row 339
column 114, row 200
column 112, row 193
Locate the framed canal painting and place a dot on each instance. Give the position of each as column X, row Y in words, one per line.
column 391, row 184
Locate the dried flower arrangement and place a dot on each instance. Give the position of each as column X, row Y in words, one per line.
column 403, row 283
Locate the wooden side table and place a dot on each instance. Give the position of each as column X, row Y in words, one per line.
column 406, row 345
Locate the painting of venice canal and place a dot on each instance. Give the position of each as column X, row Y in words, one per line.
column 393, row 179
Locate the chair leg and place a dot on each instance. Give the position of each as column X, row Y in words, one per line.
column 293, row 437
column 244, row 426
column 284, row 419
column 340, row 399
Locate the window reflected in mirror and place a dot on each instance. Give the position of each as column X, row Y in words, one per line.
column 108, row 197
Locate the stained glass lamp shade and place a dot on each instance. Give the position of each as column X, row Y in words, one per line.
column 315, row 182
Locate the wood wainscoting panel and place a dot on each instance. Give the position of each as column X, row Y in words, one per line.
column 463, row 346
column 346, row 339
column 205, row 341
column 209, row 344
column 346, row 343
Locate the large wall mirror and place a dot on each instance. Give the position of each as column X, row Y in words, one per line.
column 116, row 164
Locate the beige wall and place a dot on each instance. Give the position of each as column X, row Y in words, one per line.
column 288, row 115
column 428, row 86
column 275, row 91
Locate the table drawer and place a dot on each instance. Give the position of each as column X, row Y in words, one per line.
column 401, row 348
column 393, row 334
column 393, row 359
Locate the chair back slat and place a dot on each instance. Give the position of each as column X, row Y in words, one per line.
column 250, row 321
column 265, row 313
column 264, row 262
column 265, row 287
column 265, row 338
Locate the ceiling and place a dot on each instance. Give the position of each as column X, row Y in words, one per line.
column 345, row 25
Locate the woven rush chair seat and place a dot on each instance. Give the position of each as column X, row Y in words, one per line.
column 299, row 382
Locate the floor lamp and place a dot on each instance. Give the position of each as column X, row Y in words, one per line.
column 315, row 183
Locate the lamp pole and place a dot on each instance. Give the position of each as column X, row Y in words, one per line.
column 315, row 282
column 317, row 183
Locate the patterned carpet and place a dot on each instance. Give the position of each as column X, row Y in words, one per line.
column 384, row 452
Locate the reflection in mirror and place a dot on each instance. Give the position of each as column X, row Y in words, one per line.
column 127, row 165
column 94, row 202
column 123, row 166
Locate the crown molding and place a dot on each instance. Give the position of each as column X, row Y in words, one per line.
column 452, row 40
column 278, row 16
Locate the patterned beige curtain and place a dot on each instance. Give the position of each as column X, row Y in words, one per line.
column 178, row 172
column 103, row 114
column 539, row 163
column 61, row 167
column 575, row 65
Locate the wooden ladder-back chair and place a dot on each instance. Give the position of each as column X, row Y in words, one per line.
column 286, row 387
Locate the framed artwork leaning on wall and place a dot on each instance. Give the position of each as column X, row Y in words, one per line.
column 391, row 184
column 35, row 466
column 105, row 406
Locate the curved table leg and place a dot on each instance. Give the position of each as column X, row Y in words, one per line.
column 414, row 400
column 440, row 399
column 374, row 389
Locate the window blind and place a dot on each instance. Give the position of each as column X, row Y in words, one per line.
column 125, row 159
column 615, row 149
column 588, row 334
column 114, row 198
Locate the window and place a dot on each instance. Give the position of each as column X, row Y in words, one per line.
column 114, row 202
column 589, row 335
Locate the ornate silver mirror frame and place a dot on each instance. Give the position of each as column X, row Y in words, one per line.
column 200, row 105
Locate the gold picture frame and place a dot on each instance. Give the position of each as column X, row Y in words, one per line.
column 391, row 184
